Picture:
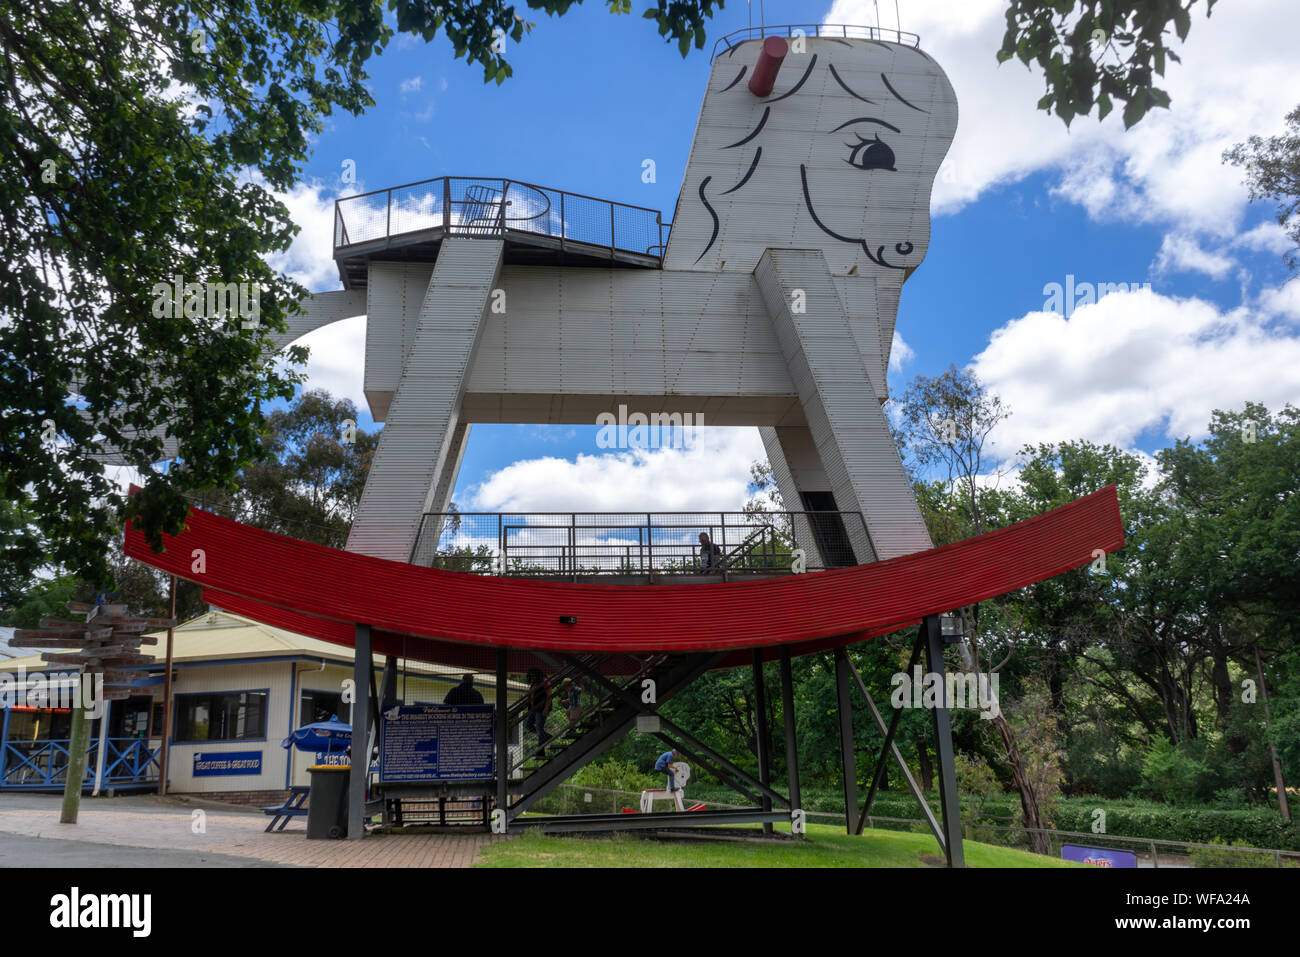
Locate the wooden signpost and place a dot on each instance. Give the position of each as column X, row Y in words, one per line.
column 105, row 645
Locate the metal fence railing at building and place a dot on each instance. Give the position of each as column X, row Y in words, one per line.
column 635, row 543
column 42, row 764
column 476, row 206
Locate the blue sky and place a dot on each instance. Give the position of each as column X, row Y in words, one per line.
column 1021, row 203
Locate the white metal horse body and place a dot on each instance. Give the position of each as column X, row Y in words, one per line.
column 801, row 214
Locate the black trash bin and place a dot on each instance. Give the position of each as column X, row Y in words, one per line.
column 327, row 803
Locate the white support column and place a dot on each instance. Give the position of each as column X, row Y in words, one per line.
column 839, row 398
column 783, row 450
column 446, row 482
column 418, row 445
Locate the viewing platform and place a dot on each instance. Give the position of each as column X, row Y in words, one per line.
column 833, row 31
column 635, row 547
column 540, row 226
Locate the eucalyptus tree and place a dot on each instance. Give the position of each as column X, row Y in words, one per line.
column 144, row 144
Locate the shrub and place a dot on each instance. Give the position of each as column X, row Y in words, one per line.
column 1257, row 827
column 1214, row 857
column 616, row 776
column 1172, row 774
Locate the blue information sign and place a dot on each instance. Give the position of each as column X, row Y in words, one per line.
column 211, row 764
column 1098, row 856
column 437, row 742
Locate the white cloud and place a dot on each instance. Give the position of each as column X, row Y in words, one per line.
column 1237, row 78
column 713, row 474
column 310, row 259
column 333, row 364
column 1134, row 362
column 411, row 84
column 1283, row 301
column 1180, row 252
column 1138, row 361
column 1266, row 237
column 899, row 353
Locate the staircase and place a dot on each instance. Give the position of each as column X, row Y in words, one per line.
column 610, row 706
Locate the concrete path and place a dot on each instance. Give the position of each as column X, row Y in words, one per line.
column 198, row 829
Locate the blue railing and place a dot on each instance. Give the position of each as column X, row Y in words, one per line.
column 42, row 765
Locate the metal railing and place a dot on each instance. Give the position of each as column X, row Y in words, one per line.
column 842, row 31
column 579, row 544
column 42, row 765
column 479, row 206
column 1151, row 852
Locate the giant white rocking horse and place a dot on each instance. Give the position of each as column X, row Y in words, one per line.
column 804, row 208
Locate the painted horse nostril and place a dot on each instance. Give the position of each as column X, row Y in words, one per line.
column 903, row 249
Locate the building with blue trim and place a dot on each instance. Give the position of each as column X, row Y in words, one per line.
column 239, row 688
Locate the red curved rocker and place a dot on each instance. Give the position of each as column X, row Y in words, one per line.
column 446, row 616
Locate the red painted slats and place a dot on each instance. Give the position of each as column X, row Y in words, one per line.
column 322, row 592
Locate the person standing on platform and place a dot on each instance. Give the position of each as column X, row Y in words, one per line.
column 710, row 556
column 463, row 693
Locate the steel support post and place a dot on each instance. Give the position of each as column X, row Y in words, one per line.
column 764, row 738
column 846, row 737
column 943, row 748
column 679, row 733
column 361, row 675
column 4, row 741
column 878, row 778
column 912, row 786
column 166, row 737
column 791, row 743
column 503, row 744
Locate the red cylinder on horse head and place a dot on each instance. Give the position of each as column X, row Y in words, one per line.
column 771, row 53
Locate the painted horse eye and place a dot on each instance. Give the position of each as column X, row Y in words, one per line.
column 871, row 154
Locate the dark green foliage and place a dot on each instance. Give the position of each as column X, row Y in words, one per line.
column 1258, row 827
column 116, row 183
column 1098, row 53
column 1272, row 167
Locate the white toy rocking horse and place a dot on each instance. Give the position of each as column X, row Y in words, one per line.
column 682, row 774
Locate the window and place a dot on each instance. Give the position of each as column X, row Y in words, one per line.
column 321, row 706
column 130, row 718
column 220, row 716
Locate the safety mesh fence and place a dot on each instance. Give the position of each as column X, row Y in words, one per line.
column 635, row 543
column 492, row 207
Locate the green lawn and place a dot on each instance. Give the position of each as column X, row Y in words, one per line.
column 823, row 846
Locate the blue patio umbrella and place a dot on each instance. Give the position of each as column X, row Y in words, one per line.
column 321, row 736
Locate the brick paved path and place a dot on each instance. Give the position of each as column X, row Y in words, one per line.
column 158, row 823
